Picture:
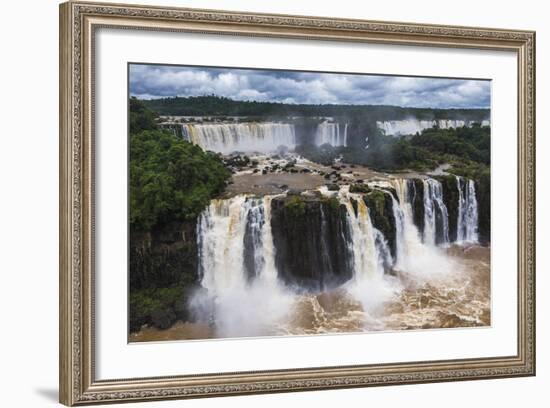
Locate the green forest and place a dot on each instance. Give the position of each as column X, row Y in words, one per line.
column 170, row 179
column 220, row 106
column 171, row 182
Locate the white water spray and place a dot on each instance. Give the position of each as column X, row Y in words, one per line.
column 239, row 304
column 246, row 137
column 332, row 133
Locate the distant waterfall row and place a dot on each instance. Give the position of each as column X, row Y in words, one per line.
column 413, row 126
column 266, row 137
column 335, row 134
column 329, row 239
column 245, row 137
column 263, row 137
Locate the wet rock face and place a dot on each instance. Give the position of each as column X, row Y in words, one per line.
column 311, row 237
column 380, row 207
column 163, row 273
column 159, row 258
column 416, row 198
column 483, row 196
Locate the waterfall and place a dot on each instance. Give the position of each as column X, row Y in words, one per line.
column 330, row 133
column 366, row 245
column 220, row 234
column 368, row 251
column 436, row 217
column 413, row 255
column 371, row 256
column 235, row 243
column 246, row 137
column 237, row 268
column 408, row 242
column 467, row 211
column 243, row 292
column 400, row 238
column 413, row 126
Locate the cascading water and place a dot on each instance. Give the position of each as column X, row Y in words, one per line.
column 408, row 241
column 244, row 295
column 220, row 231
column 413, row 126
column 229, row 137
column 436, row 216
column 237, row 268
column 413, row 255
column 371, row 255
column 467, row 211
column 331, row 133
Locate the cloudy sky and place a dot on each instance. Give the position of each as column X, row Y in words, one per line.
column 157, row 81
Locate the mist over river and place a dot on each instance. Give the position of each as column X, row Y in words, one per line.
column 462, row 300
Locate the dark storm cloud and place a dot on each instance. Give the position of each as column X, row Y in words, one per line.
column 153, row 81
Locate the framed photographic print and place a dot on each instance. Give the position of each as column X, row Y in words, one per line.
column 262, row 203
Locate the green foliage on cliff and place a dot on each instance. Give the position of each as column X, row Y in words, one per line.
column 360, row 188
column 380, row 208
column 333, row 203
column 425, row 151
column 295, row 206
column 153, row 305
column 376, row 199
column 141, row 118
column 170, row 179
column 468, row 143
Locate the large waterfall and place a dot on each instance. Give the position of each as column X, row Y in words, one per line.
column 245, row 292
column 237, row 269
column 245, row 137
column 366, row 245
column 416, row 255
column 235, row 243
column 335, row 134
column 413, row 126
column 467, row 211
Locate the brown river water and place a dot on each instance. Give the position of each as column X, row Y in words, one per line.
column 460, row 299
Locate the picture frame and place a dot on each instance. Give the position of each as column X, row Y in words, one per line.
column 79, row 23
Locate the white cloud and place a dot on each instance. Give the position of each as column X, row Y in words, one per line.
column 156, row 81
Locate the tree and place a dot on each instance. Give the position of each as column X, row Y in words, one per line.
column 170, row 179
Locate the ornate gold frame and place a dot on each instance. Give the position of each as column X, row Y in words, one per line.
column 78, row 22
